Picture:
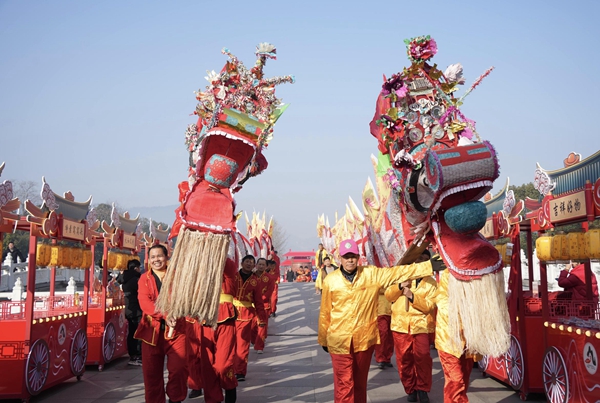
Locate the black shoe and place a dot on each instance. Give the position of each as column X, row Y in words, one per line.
column 195, row 393
column 412, row 397
column 273, row 315
column 230, row 395
column 381, row 365
column 423, row 398
column 174, row 401
column 389, row 365
column 240, row 377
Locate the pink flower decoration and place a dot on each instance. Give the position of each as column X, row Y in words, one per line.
column 421, row 48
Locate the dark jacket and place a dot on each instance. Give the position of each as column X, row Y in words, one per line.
column 129, row 281
column 14, row 253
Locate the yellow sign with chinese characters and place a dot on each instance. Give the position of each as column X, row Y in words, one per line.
column 488, row 229
column 128, row 241
column 568, row 207
column 73, row 230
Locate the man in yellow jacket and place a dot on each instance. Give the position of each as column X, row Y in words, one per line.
column 320, row 256
column 348, row 318
column 412, row 305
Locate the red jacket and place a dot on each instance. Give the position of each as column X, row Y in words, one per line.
column 267, row 286
column 574, row 281
column 228, row 292
column 149, row 326
column 248, row 300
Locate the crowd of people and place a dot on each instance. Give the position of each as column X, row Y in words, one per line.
column 208, row 361
column 366, row 310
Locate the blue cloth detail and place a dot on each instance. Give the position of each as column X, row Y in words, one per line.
column 231, row 121
column 479, row 150
column 466, row 218
column 448, row 155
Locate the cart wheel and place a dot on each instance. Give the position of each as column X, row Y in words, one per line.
column 483, row 363
column 100, row 368
column 79, row 350
column 555, row 377
column 38, row 363
column 109, row 341
column 514, row 364
column 523, row 396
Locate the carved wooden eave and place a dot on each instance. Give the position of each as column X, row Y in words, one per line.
column 53, row 205
column 495, row 203
column 8, row 203
column 573, row 177
column 70, row 209
column 156, row 234
column 129, row 225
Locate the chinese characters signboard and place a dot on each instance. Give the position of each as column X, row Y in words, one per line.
column 488, row 229
column 568, row 207
column 73, row 230
column 128, row 241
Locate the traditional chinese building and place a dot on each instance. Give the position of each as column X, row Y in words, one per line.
column 293, row 260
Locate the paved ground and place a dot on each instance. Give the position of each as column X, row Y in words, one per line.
column 293, row 369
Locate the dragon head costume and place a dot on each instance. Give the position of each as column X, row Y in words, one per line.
column 438, row 168
column 236, row 115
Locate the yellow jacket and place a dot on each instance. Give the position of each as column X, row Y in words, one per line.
column 384, row 307
column 324, row 254
column 349, row 310
column 442, row 334
column 417, row 319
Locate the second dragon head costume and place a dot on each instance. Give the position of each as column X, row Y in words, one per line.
column 440, row 169
column 236, row 115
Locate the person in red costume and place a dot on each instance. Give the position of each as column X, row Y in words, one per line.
column 273, row 268
column 266, row 284
column 248, row 301
column 162, row 336
column 193, row 334
column 218, row 346
column 572, row 279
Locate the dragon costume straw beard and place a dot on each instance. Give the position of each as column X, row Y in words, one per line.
column 236, row 115
column 440, row 169
column 445, row 197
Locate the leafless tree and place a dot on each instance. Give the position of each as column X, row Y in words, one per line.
column 27, row 190
column 279, row 237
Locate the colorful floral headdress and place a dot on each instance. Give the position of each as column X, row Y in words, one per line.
column 240, row 98
column 417, row 110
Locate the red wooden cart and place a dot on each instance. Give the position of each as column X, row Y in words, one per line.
column 554, row 340
column 107, row 327
column 42, row 339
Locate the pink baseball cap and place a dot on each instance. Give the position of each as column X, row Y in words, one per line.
column 348, row 246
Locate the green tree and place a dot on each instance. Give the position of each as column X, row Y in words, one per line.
column 525, row 190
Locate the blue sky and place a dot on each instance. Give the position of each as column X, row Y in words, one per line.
column 96, row 96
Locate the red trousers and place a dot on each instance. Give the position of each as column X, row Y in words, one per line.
column 260, row 333
column 243, row 331
column 153, row 369
column 457, row 372
column 384, row 351
column 274, row 297
column 193, row 351
column 414, row 361
column 218, row 351
column 350, row 374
